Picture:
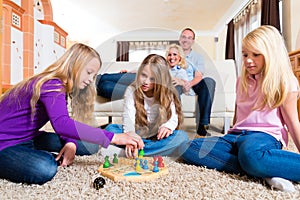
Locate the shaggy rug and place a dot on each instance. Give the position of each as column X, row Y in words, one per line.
column 182, row 182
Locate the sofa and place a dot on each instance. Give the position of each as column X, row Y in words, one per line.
column 223, row 72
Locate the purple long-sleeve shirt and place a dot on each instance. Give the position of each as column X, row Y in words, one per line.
column 17, row 125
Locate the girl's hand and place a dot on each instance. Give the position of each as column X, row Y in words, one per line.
column 128, row 138
column 68, row 151
column 163, row 132
column 130, row 151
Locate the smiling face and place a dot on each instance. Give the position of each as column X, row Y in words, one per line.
column 186, row 40
column 88, row 73
column 147, row 81
column 173, row 57
column 254, row 62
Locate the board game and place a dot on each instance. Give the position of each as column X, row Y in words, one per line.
column 134, row 169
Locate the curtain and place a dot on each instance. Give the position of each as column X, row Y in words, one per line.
column 270, row 13
column 229, row 52
column 247, row 20
column 122, row 51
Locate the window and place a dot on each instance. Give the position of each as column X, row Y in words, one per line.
column 138, row 50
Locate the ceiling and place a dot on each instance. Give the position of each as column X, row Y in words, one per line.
column 204, row 16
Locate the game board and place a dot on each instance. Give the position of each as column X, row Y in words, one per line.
column 125, row 170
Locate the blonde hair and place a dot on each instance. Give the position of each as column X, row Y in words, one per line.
column 277, row 74
column 164, row 94
column 182, row 62
column 67, row 69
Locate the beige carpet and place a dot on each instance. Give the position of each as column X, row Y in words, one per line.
column 182, row 182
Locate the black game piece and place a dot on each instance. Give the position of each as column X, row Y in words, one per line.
column 99, row 183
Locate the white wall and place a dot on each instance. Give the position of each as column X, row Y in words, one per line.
column 46, row 51
column 108, row 49
column 16, row 69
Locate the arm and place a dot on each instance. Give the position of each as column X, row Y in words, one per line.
column 290, row 116
column 55, row 105
column 167, row 128
column 189, row 84
column 129, row 110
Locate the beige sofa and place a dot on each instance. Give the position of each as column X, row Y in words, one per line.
column 223, row 72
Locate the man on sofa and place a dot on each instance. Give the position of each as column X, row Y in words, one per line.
column 197, row 85
column 113, row 86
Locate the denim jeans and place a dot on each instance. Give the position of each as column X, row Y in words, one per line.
column 113, row 86
column 31, row 162
column 205, row 91
column 253, row 153
column 165, row 147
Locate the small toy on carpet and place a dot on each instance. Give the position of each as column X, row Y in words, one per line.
column 99, row 183
column 138, row 169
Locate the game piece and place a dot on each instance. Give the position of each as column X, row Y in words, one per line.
column 115, row 160
column 99, row 183
column 145, row 165
column 106, row 163
column 160, row 162
column 155, row 168
column 138, row 167
column 141, row 153
column 125, row 170
column 154, row 159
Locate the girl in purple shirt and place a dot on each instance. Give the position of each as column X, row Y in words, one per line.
column 266, row 110
column 25, row 151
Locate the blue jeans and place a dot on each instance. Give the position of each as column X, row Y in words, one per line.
column 253, row 153
column 205, row 91
column 165, row 147
column 113, row 86
column 31, row 162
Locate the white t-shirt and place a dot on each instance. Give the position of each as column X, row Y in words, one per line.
column 151, row 109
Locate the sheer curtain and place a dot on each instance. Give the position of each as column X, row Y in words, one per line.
column 247, row 20
column 138, row 50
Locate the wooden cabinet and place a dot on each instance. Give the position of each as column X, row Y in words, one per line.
column 295, row 62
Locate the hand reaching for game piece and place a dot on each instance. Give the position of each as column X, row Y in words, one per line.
column 128, row 138
column 130, row 151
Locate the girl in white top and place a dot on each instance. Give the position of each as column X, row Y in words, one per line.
column 152, row 110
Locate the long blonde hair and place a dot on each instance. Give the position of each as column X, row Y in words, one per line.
column 164, row 94
column 182, row 62
column 277, row 74
column 67, row 69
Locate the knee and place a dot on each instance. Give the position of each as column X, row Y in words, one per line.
column 114, row 128
column 252, row 165
column 85, row 148
column 181, row 136
column 210, row 83
column 44, row 171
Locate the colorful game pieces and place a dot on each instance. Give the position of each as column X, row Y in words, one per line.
column 141, row 153
column 160, row 162
column 155, row 168
column 145, row 165
column 115, row 160
column 99, row 183
column 106, row 163
column 138, row 167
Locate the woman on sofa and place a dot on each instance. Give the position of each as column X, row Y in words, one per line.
column 178, row 66
column 152, row 110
